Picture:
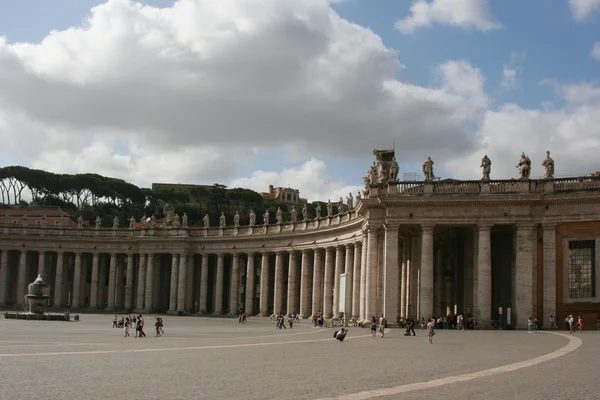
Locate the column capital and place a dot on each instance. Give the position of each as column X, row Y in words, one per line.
column 427, row 227
column 391, row 226
column 484, row 226
column 281, row 252
column 306, row 251
column 357, row 244
column 549, row 226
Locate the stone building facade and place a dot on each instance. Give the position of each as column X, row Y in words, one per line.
column 488, row 248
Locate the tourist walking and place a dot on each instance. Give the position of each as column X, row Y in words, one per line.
column 552, row 320
column 126, row 327
column 140, row 327
column 157, row 327
column 580, row 323
column 373, row 326
column 530, row 325
column 430, row 330
column 382, row 323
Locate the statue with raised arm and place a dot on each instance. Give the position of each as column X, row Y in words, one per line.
column 132, row 223
column 184, row 220
column 394, row 169
column 304, row 212
column 428, row 170
column 279, row 216
column 486, row 164
column 176, row 221
column 318, row 211
column 373, row 180
column 98, row 222
column 350, row 201
column 115, row 222
column 294, row 214
column 80, row 222
column 222, row 220
column 144, row 221
column 340, row 206
column 252, row 218
column 524, row 166
column 548, row 165
column 329, row 208
column 169, row 212
column 206, row 221
column 236, row 219
column 266, row 217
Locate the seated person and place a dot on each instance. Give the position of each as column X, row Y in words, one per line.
column 341, row 334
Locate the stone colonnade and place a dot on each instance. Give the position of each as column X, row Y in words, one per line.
column 387, row 270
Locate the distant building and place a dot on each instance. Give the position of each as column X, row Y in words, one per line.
column 178, row 186
column 284, row 195
column 34, row 216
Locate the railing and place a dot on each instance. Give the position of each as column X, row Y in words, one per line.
column 169, row 231
column 507, row 186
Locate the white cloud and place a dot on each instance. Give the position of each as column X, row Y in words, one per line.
column 460, row 13
column 581, row 9
column 181, row 93
column 511, row 71
column 197, row 91
column 595, row 53
column 462, row 79
column 571, row 133
column 313, row 177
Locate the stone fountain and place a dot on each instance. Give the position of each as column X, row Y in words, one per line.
column 37, row 297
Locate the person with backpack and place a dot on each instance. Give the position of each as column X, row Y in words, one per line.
column 340, row 335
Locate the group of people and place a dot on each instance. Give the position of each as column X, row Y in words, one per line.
column 137, row 324
column 279, row 320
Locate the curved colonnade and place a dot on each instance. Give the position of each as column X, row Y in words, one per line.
column 418, row 248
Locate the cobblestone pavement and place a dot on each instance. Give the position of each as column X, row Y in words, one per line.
column 210, row 358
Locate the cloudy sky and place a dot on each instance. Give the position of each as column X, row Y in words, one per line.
column 298, row 92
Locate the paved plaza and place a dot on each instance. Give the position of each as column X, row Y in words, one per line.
column 216, row 358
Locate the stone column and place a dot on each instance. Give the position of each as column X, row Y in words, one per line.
column 439, row 281
column 305, row 285
column 182, row 271
column 278, row 293
column 129, row 283
column 149, row 284
column 403, row 277
column 42, row 264
column 317, row 292
column 523, row 275
column 174, row 285
column 250, row 274
column 292, row 307
column 234, row 290
column 94, row 282
column 264, row 285
column 390, row 273
column 21, row 281
column 339, row 269
column 426, row 279
column 112, row 277
column 549, row 280
column 371, row 279
column 141, row 283
column 219, row 284
column 356, row 280
column 119, row 303
column 204, row 283
column 189, row 285
column 484, row 276
column 76, row 282
column 363, row 277
column 58, row 280
column 348, row 270
column 3, row 276
column 328, row 290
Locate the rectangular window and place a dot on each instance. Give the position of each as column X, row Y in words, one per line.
column 582, row 269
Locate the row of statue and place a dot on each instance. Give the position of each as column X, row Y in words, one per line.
column 386, row 171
